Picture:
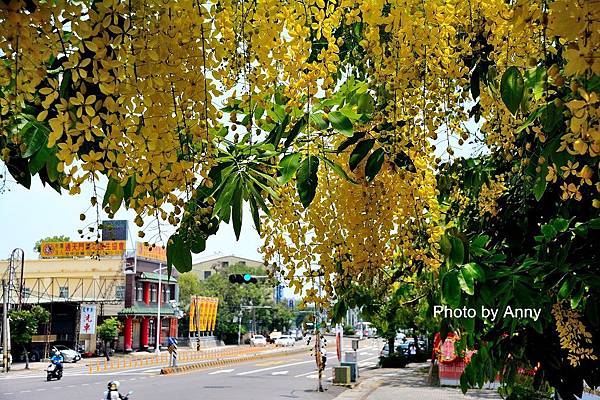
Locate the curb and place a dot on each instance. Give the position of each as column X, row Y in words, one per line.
column 223, row 362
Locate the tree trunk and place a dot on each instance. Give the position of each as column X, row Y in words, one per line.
column 106, row 350
column 391, row 342
column 26, row 357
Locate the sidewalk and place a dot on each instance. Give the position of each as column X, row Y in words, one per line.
column 407, row 384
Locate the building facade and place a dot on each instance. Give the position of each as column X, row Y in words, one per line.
column 205, row 269
column 63, row 286
column 140, row 314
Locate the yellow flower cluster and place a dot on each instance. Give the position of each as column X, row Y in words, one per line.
column 573, row 336
column 489, row 194
column 354, row 231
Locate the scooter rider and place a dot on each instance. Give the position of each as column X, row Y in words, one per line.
column 113, row 391
column 57, row 359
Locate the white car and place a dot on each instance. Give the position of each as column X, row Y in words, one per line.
column 68, row 354
column 258, row 340
column 284, row 341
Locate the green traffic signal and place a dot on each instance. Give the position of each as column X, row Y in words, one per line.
column 246, row 278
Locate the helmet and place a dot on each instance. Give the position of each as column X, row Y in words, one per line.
column 113, row 385
column 57, row 353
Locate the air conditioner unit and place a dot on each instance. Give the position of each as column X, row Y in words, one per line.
column 341, row 375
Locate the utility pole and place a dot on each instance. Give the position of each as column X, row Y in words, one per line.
column 240, row 314
column 5, row 328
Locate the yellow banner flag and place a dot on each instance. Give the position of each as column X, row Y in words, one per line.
column 203, row 313
column 214, row 317
column 192, row 325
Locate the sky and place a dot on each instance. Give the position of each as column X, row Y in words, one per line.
column 29, row 215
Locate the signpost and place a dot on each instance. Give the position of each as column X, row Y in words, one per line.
column 87, row 323
column 82, row 249
column 173, row 350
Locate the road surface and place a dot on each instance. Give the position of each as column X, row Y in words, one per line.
column 290, row 376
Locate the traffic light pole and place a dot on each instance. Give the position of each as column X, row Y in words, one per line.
column 5, row 329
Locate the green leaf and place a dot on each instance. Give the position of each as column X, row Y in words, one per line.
column 539, row 187
column 451, row 289
column 594, row 223
column 34, row 139
column 178, row 254
column 549, row 231
column 236, row 209
column 512, row 88
column 457, row 254
column 318, row 121
column 254, row 212
column 360, row 152
column 581, row 230
column 560, row 224
column 52, row 167
column 306, row 177
column 465, row 279
column 113, row 187
column 374, row 163
column 128, row 189
column 478, row 243
column 65, row 84
column 198, row 244
column 565, row 289
column 341, row 123
column 335, row 167
column 475, row 271
column 445, row 245
column 288, row 166
column 38, row 161
column 350, row 141
column 365, row 103
column 293, row 133
column 223, row 203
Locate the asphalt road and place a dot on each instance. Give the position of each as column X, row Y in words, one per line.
column 291, row 376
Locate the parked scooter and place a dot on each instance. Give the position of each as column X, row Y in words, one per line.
column 53, row 371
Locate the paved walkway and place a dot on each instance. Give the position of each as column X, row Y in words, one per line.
column 407, row 384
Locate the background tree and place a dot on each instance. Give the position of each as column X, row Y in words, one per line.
column 26, row 323
column 58, row 238
column 108, row 331
column 231, row 296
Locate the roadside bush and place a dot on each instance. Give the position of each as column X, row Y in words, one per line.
column 349, row 330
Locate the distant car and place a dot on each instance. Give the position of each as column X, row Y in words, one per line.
column 68, row 354
column 284, row 341
column 273, row 336
column 258, row 340
column 402, row 348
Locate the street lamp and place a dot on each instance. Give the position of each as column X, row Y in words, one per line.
column 158, row 298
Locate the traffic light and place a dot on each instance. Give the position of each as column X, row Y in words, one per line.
column 245, row 278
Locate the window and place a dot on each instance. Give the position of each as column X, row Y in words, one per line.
column 26, row 292
column 153, row 293
column 120, row 292
column 167, row 294
column 139, row 291
column 207, row 274
column 63, row 292
column 243, row 263
column 225, row 264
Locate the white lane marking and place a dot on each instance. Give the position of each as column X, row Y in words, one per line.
column 304, row 374
column 280, row 373
column 85, row 384
column 221, row 371
column 275, row 367
column 40, row 389
column 329, row 379
column 133, row 379
column 313, row 376
column 25, row 391
column 98, row 383
column 7, row 393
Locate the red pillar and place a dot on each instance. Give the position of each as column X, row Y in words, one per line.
column 128, row 333
column 173, row 327
column 147, row 292
column 145, row 331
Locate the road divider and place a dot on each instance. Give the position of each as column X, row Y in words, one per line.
column 230, row 360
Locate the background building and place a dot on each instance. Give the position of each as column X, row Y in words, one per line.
column 206, row 268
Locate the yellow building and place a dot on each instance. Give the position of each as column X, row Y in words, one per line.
column 63, row 285
column 206, row 268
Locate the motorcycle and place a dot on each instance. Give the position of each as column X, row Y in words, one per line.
column 53, row 372
column 126, row 397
